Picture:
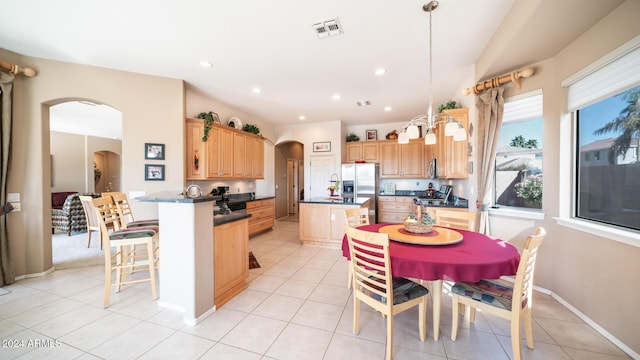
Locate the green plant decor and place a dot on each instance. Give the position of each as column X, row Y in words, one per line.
column 530, row 189
column 352, row 137
column 208, row 123
column 250, row 128
column 450, row 105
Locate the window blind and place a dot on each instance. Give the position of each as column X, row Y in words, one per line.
column 613, row 73
column 523, row 107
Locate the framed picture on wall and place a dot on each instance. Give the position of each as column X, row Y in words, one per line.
column 153, row 172
column 324, row 146
column 372, row 135
column 154, row 151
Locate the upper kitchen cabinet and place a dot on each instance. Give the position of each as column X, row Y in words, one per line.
column 452, row 158
column 219, row 153
column 362, row 151
column 227, row 154
column 196, row 150
column 402, row 160
column 248, row 156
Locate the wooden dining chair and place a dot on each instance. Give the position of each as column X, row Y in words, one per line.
column 465, row 220
column 125, row 214
column 354, row 218
column 511, row 303
column 92, row 219
column 128, row 258
column 374, row 284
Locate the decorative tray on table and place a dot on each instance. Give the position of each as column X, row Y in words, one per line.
column 437, row 236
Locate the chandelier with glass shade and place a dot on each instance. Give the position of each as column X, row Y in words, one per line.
column 430, row 120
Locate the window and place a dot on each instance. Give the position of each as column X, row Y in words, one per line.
column 608, row 186
column 518, row 167
column 605, row 101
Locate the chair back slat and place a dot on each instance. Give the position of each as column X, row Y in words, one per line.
column 465, row 220
column 523, row 286
column 123, row 208
column 357, row 217
column 107, row 216
column 89, row 211
column 371, row 265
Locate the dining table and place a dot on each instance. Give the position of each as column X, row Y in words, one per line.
column 444, row 254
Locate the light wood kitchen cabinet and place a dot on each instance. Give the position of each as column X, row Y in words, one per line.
column 452, row 157
column 323, row 224
column 220, row 158
column 402, row 160
column 196, row 150
column 394, row 209
column 362, row 151
column 248, row 153
column 257, row 151
column 227, row 154
column 263, row 214
column 231, row 260
column 241, row 163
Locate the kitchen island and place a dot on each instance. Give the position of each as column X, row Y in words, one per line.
column 322, row 220
column 192, row 239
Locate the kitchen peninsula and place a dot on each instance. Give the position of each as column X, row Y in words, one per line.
column 203, row 257
column 322, row 220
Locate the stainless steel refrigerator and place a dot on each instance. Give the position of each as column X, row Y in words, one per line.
column 362, row 181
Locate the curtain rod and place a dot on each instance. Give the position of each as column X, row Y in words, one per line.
column 17, row 69
column 497, row 81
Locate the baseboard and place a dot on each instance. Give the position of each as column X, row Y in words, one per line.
column 584, row 318
column 595, row 326
column 40, row 274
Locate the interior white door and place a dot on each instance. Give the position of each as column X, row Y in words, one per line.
column 321, row 168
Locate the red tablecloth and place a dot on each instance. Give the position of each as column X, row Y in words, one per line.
column 476, row 257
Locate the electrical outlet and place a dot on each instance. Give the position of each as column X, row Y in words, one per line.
column 16, row 206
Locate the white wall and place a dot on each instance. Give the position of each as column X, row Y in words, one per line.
column 67, row 162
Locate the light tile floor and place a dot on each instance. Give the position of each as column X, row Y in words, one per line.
column 296, row 307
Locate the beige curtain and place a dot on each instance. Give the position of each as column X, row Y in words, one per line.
column 7, row 275
column 490, row 107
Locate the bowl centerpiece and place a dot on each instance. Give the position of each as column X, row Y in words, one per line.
column 419, row 224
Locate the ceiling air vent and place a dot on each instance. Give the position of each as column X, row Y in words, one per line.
column 327, row 28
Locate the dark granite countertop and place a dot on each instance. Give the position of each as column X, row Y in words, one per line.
column 266, row 197
column 227, row 218
column 175, row 197
column 335, row 201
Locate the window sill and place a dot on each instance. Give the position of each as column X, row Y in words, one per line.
column 517, row 213
column 624, row 236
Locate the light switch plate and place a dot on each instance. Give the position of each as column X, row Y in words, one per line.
column 13, row 197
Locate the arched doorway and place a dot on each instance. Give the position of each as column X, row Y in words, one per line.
column 289, row 179
column 85, row 146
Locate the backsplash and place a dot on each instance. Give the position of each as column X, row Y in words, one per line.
column 410, row 184
column 460, row 187
column 235, row 186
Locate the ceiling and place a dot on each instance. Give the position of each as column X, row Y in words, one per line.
column 272, row 45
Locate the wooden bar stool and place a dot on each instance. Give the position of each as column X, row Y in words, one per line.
column 127, row 259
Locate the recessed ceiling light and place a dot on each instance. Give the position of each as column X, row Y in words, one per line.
column 387, row 108
column 256, row 90
column 380, row 71
column 301, row 117
column 205, row 63
column 336, row 97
